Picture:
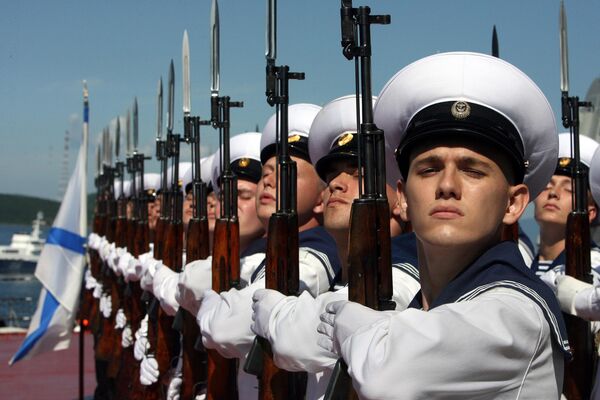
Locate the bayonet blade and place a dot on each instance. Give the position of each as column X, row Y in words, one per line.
column 128, row 132
column 564, row 50
column 214, row 40
column 185, row 61
column 135, row 125
column 171, row 98
column 110, row 146
column 105, row 146
column 271, row 31
column 495, row 48
column 159, row 111
column 98, row 161
column 117, row 137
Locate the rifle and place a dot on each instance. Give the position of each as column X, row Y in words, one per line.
column 117, row 288
column 370, row 275
column 91, row 311
column 194, row 368
column 167, row 344
column 105, row 342
column 282, row 264
column 579, row 374
column 222, row 372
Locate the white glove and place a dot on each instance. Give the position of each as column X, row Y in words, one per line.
column 140, row 348
column 149, row 371
column 130, row 270
column 174, row 388
column 325, row 328
column 550, row 279
column 148, row 277
column 90, row 281
column 94, row 241
column 105, row 250
column 106, row 305
column 164, row 286
column 195, row 279
column 97, row 290
column 573, row 296
column 120, row 319
column 263, row 302
column 123, row 263
column 126, row 337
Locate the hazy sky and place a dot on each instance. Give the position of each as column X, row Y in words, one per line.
column 122, row 48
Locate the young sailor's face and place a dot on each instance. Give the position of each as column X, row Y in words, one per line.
column 457, row 195
column 250, row 224
column 309, row 187
column 188, row 210
column 211, row 210
column 554, row 203
column 342, row 189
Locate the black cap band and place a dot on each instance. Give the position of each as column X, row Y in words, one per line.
column 463, row 119
column 297, row 145
column 344, row 148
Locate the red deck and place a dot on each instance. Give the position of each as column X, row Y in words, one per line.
column 52, row 376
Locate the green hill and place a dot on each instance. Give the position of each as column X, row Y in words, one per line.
column 18, row 209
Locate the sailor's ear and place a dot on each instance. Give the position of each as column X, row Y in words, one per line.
column 402, row 208
column 518, row 198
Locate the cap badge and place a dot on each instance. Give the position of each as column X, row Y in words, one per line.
column 460, row 110
column 294, row 138
column 564, row 162
column 345, row 139
column 243, row 162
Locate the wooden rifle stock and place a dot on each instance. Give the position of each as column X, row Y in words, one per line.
column 194, row 361
column 579, row 374
column 282, row 273
column 369, row 275
column 167, row 344
column 222, row 372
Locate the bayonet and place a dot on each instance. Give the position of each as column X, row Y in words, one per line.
column 98, row 161
column 564, row 50
column 128, row 132
column 171, row 98
column 185, row 61
column 495, row 48
column 135, row 124
column 159, row 109
column 117, row 138
column 214, row 41
column 271, row 31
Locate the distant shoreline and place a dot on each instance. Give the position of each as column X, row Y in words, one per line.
column 18, row 209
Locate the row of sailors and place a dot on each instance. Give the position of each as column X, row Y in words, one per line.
column 488, row 326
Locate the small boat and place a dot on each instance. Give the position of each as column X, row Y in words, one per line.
column 23, row 252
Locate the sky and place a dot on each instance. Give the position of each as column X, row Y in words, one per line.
column 123, row 47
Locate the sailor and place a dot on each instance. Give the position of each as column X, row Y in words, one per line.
column 554, row 204
column 476, row 140
column 576, row 297
column 152, row 192
column 245, row 163
column 225, row 318
column 290, row 322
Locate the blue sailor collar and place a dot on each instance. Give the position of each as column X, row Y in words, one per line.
column 320, row 244
column 404, row 254
column 503, row 266
column 256, row 246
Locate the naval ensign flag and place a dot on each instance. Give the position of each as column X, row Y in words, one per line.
column 60, row 269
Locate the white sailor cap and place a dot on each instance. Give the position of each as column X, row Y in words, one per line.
column 300, row 118
column 587, row 148
column 471, row 95
column 244, row 159
column 594, row 176
column 205, row 174
column 333, row 137
column 183, row 170
column 152, row 182
column 127, row 188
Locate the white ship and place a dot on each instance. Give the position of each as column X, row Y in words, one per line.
column 23, row 252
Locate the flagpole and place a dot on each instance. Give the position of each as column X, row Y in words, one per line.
column 83, row 220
